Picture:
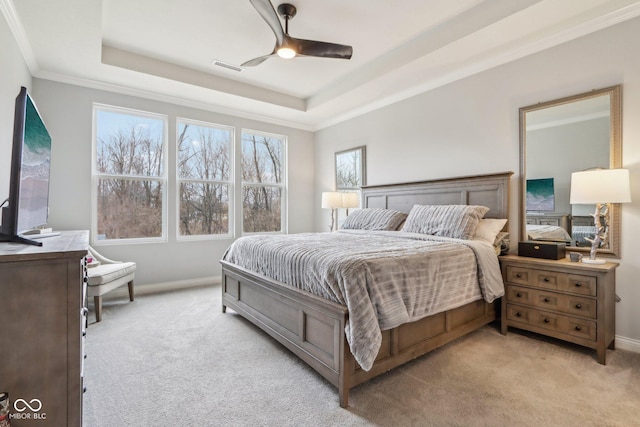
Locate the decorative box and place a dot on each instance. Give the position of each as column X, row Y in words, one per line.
column 547, row 250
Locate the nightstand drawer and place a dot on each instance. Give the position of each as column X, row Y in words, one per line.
column 555, row 280
column 547, row 300
column 576, row 327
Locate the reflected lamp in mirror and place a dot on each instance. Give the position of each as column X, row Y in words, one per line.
column 600, row 187
column 350, row 200
column 332, row 200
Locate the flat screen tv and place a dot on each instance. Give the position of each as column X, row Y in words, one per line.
column 28, row 202
column 540, row 195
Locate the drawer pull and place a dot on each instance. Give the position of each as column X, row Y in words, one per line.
column 578, row 284
column 578, row 328
column 519, row 275
column 546, row 299
column 546, row 320
column 519, row 295
column 546, row 279
column 578, row 306
column 518, row 314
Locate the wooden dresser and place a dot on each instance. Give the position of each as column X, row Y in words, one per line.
column 42, row 326
column 571, row 301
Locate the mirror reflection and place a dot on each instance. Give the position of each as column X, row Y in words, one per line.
column 558, row 138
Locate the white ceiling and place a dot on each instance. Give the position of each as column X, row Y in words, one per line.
column 163, row 49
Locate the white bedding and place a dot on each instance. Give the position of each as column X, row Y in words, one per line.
column 385, row 278
column 547, row 232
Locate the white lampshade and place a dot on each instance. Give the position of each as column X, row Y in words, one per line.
column 600, row 186
column 350, row 200
column 331, row 199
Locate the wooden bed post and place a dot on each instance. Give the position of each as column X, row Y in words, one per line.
column 346, row 359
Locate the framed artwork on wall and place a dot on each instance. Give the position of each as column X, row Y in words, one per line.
column 350, row 169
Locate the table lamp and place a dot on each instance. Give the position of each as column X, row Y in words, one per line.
column 600, row 187
column 350, row 200
column 332, row 200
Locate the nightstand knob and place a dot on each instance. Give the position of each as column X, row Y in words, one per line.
column 519, row 275
column 518, row 314
column 519, row 295
column 578, row 306
column 578, row 284
column 547, row 300
column 578, row 328
column 546, row 279
column 546, row 320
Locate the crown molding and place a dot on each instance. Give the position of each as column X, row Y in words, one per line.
column 17, row 29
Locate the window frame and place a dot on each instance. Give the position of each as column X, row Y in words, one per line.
column 96, row 176
column 283, row 184
column 230, row 183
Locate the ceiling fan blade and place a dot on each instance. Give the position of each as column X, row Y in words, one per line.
column 268, row 13
column 256, row 61
column 320, row 49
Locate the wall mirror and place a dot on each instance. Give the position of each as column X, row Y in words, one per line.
column 350, row 169
column 557, row 138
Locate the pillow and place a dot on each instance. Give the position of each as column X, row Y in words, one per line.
column 374, row 219
column 456, row 221
column 488, row 229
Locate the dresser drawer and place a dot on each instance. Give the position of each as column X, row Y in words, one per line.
column 548, row 300
column 581, row 328
column 555, row 280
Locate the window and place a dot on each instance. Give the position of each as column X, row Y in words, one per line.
column 263, row 182
column 204, row 178
column 130, row 174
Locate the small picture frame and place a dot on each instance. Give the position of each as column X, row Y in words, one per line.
column 350, row 169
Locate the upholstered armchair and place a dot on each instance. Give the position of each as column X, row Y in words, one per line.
column 105, row 275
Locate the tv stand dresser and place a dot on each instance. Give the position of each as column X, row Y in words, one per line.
column 42, row 328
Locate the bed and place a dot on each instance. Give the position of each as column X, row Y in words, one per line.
column 316, row 329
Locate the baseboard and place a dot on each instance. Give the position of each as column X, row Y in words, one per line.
column 153, row 288
column 628, row 344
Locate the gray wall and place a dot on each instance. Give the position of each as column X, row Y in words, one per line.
column 555, row 152
column 13, row 74
column 67, row 110
column 471, row 127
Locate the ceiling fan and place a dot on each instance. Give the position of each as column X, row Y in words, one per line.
column 287, row 46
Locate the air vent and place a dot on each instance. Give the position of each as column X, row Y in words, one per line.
column 227, row 65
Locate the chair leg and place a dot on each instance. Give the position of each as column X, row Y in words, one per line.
column 98, row 303
column 130, row 284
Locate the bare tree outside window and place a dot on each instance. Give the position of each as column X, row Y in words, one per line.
column 263, row 182
column 204, row 176
column 130, row 174
column 350, row 167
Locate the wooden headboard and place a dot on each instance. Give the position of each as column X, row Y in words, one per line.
column 491, row 191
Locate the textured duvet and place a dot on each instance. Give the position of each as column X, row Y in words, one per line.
column 384, row 278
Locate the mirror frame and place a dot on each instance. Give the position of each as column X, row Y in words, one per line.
column 615, row 160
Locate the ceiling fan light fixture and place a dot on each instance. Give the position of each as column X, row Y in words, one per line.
column 286, row 52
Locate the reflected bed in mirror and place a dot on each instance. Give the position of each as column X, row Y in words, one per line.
column 557, row 138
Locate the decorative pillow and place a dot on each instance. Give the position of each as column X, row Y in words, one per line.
column 488, row 229
column 456, row 221
column 374, row 219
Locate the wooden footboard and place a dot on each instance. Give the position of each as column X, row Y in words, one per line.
column 313, row 328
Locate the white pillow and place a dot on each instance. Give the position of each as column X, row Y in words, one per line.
column 488, row 229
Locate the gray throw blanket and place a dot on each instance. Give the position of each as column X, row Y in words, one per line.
column 385, row 278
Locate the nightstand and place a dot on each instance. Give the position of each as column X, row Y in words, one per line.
column 570, row 301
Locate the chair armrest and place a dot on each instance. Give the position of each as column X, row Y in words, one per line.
column 101, row 258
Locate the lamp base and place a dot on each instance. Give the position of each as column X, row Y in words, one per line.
column 593, row 261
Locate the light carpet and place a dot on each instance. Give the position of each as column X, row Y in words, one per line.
column 174, row 359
